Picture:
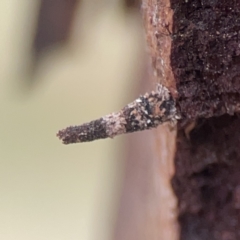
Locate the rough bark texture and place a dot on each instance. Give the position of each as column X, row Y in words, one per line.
column 205, row 61
column 205, row 57
column 207, row 179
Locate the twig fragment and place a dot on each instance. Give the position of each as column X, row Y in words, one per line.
column 146, row 112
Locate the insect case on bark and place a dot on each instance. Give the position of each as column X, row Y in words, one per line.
column 146, row 112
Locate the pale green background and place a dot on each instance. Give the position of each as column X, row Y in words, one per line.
column 49, row 190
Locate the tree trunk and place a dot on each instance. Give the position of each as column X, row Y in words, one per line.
column 185, row 183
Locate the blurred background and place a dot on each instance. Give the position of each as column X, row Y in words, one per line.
column 64, row 62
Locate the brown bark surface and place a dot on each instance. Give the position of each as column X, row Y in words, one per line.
column 148, row 205
column 205, row 61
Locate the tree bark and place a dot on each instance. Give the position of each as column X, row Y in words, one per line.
column 195, row 51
